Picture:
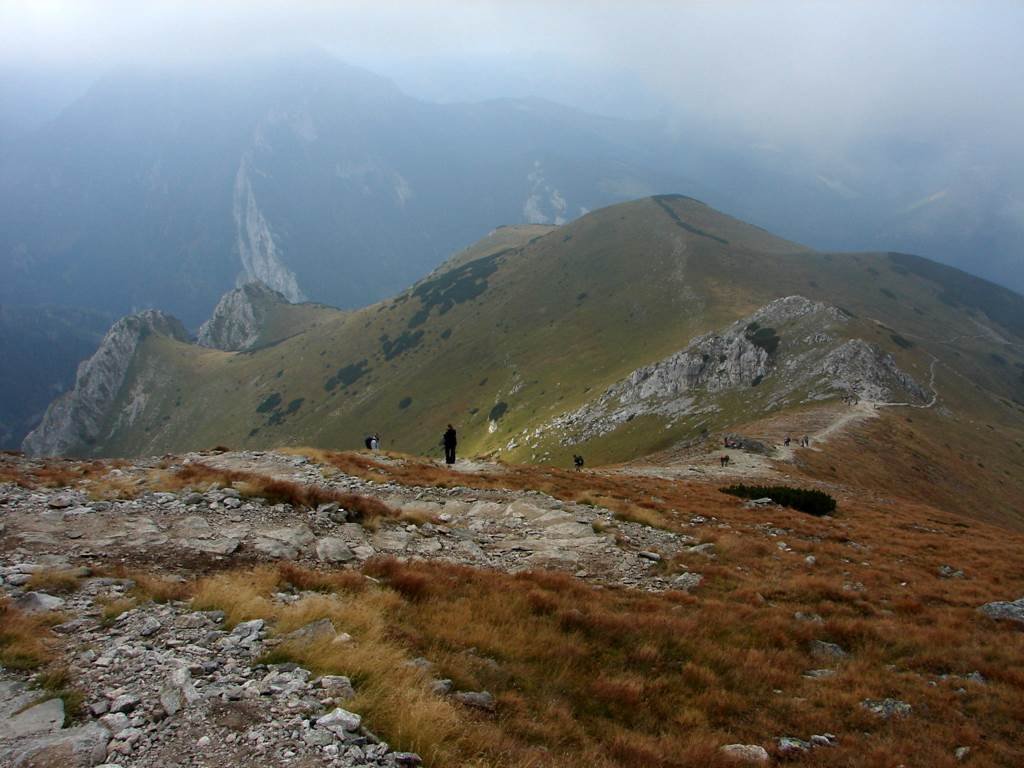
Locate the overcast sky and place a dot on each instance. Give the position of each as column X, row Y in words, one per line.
column 786, row 68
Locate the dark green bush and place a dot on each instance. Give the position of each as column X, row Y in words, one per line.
column 812, row 502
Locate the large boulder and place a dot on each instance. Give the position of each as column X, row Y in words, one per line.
column 1009, row 611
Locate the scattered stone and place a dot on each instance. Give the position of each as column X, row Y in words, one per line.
column 407, row 759
column 654, row 557
column 442, row 687
column 37, row 602
column 150, row 626
column 115, row 722
column 821, row 649
column 949, row 572
column 476, row 699
column 687, row 581
column 331, row 549
column 178, row 691
column 321, row 629
column 337, row 686
column 125, row 703
column 340, row 720
column 747, row 753
column 887, row 708
column 819, row 673
column 789, row 746
column 961, row 753
column 61, row 501
column 824, row 740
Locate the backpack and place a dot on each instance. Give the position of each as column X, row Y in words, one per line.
column 369, row 442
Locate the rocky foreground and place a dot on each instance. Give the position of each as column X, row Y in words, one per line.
column 170, row 686
column 169, row 682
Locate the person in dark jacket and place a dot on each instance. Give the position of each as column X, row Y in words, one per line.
column 449, row 441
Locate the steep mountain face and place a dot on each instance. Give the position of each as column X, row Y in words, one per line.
column 239, row 318
column 40, row 349
column 320, row 180
column 82, row 418
column 634, row 328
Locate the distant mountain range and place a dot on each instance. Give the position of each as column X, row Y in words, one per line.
column 326, row 182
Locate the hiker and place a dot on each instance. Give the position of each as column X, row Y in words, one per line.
column 368, row 442
column 375, row 442
column 807, row 442
column 577, row 461
column 786, row 441
column 724, row 460
column 449, row 441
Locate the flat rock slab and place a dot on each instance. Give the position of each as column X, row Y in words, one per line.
column 45, row 717
column 70, row 748
column 14, row 696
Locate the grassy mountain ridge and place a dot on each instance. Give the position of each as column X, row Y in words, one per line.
column 537, row 324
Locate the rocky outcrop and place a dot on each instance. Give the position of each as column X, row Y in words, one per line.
column 239, row 317
column 791, row 345
column 75, row 421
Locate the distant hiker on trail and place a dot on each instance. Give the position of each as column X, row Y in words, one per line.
column 577, row 461
column 724, row 461
column 786, row 441
column 368, row 442
column 375, row 442
column 449, row 441
column 806, row 442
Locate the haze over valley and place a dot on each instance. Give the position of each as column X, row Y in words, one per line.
column 511, row 386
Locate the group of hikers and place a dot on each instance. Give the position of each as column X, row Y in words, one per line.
column 724, row 460
column 450, row 441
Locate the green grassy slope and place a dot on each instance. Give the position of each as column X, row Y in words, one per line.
column 531, row 324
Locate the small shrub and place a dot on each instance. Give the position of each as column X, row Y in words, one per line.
column 812, row 502
column 900, row 341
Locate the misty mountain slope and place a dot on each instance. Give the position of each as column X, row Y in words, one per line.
column 511, row 342
column 40, row 348
column 321, row 180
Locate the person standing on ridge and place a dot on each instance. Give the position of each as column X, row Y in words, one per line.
column 449, row 441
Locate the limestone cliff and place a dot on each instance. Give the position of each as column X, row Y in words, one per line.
column 75, row 421
column 790, row 348
column 238, row 319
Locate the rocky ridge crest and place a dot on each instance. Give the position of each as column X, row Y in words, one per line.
column 238, row 318
column 76, row 419
column 790, row 344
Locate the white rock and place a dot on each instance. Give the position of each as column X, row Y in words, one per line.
column 340, row 719
column 748, row 753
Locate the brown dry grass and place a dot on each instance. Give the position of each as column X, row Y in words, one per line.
column 25, row 638
column 93, row 476
column 608, row 677
column 199, row 476
column 63, row 581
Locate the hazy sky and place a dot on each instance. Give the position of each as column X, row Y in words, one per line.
column 784, row 68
